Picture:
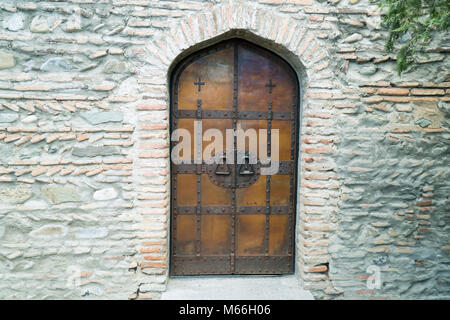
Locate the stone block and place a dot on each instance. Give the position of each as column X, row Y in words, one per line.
column 6, row 60
column 13, row 22
column 49, row 231
column 55, row 65
column 39, row 24
column 59, row 194
column 15, row 194
column 102, row 117
column 94, row 151
column 105, row 194
column 8, row 117
column 91, row 233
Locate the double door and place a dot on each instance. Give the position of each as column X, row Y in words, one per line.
column 233, row 205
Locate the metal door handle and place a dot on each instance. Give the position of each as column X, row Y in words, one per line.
column 248, row 168
column 246, row 173
column 223, row 173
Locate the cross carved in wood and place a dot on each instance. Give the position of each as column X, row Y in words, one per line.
column 270, row 85
column 199, row 83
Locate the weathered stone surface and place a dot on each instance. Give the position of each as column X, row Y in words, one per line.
column 8, row 117
column 56, row 64
column 353, row 38
column 28, row 66
column 36, row 204
column 105, row 194
column 91, row 233
column 423, row 122
column 29, row 119
column 368, row 70
column 49, row 231
column 94, row 151
column 444, row 106
column 15, row 194
column 73, row 24
column 114, row 66
column 102, row 117
column 60, row 194
column 6, row 60
column 14, row 22
column 39, row 25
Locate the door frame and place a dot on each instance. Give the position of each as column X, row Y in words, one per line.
column 174, row 73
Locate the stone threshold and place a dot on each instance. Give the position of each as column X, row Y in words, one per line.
column 283, row 287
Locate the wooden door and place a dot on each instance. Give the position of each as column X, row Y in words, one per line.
column 229, row 218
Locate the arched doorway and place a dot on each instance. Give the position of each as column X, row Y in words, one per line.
column 234, row 217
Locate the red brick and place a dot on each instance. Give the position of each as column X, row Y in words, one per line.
column 153, row 258
column 162, row 126
column 427, row 92
column 373, row 99
column 151, row 107
column 317, row 269
column 154, row 243
column 426, row 98
column 344, row 105
column 153, row 265
column 300, row 2
column 365, row 291
column 393, row 91
column 316, row 18
column 153, row 250
column 381, row 107
column 318, row 150
column 154, row 154
column 433, row 130
column 377, row 84
column 401, row 130
column 38, row 171
column 408, row 84
column 144, row 145
column 424, row 203
column 318, row 115
column 397, row 99
column 320, row 95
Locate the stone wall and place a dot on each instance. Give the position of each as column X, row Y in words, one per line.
column 84, row 150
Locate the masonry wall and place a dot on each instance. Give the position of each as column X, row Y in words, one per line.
column 84, row 149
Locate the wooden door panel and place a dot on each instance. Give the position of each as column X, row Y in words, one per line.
column 215, row 236
column 260, row 76
column 285, row 136
column 278, row 234
column 280, row 187
column 255, row 195
column 186, row 235
column 250, row 235
column 233, row 219
column 215, row 72
column 188, row 183
column 212, row 195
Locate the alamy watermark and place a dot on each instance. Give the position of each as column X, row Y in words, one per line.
column 374, row 281
column 235, row 139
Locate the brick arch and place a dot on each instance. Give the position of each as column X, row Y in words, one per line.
column 288, row 38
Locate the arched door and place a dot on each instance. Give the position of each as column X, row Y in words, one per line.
column 234, row 217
